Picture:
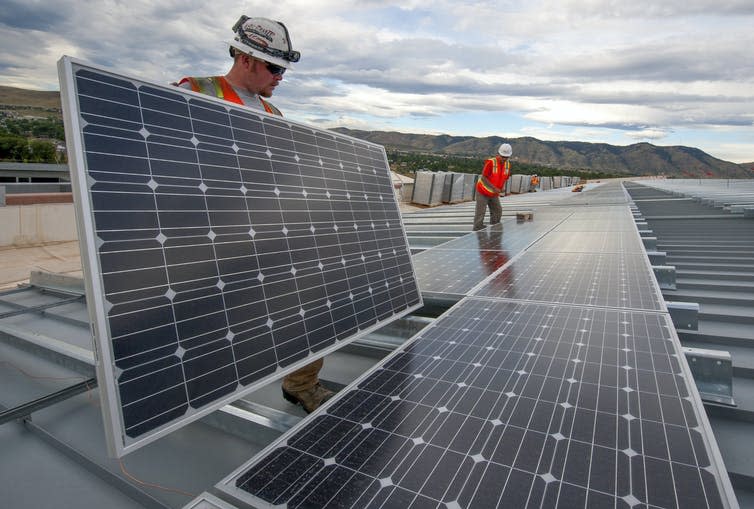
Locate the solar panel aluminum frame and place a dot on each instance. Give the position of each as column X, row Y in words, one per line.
column 118, row 442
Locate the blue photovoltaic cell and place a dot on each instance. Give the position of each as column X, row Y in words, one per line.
column 224, row 244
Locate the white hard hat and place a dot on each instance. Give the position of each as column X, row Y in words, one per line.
column 264, row 39
column 505, row 150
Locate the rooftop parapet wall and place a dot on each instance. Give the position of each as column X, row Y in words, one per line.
column 40, row 223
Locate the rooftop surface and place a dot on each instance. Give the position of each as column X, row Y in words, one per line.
column 54, row 450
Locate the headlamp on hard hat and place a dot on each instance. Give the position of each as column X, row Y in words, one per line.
column 290, row 55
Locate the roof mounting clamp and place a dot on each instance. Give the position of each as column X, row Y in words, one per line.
column 713, row 374
column 665, row 276
column 650, row 243
column 657, row 257
column 685, row 315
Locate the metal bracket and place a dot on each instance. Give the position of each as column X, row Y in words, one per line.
column 713, row 374
column 665, row 276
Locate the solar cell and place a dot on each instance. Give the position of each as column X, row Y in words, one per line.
column 221, row 246
column 506, row 404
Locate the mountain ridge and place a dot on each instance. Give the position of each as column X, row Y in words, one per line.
column 636, row 159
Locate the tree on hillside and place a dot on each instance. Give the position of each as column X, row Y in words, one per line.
column 20, row 149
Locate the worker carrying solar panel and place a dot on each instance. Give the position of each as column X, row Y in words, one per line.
column 262, row 51
column 496, row 171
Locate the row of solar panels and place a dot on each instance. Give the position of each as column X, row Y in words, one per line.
column 435, row 188
column 555, row 381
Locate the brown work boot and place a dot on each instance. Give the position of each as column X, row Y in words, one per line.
column 309, row 399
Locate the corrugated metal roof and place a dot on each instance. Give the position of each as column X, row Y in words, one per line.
column 57, row 458
column 711, row 246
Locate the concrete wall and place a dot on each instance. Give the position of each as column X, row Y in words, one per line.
column 26, row 225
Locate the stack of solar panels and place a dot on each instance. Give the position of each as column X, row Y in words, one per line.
column 428, row 188
column 545, row 183
column 453, row 186
column 423, row 181
column 557, row 382
column 469, row 187
column 519, row 184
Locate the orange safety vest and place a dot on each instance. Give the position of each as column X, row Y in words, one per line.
column 219, row 87
column 494, row 175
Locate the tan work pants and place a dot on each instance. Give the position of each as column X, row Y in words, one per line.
column 303, row 378
column 482, row 203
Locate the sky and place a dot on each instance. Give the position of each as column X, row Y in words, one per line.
column 670, row 72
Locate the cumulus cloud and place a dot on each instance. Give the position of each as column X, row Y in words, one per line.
column 648, row 134
column 644, row 69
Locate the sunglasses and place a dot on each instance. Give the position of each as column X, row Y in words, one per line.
column 275, row 70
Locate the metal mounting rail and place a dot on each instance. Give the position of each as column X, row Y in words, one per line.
column 26, row 409
column 37, row 309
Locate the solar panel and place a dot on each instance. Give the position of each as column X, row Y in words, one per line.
column 457, row 266
column 446, row 272
column 453, row 186
column 597, row 218
column 591, row 242
column 613, row 279
column 221, row 246
column 606, row 195
column 506, row 404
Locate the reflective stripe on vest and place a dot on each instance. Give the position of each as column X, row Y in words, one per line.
column 219, row 87
column 491, row 190
column 487, row 185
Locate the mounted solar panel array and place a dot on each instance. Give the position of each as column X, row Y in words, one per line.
column 612, row 280
column 563, row 397
column 453, row 269
column 222, row 247
column 594, row 259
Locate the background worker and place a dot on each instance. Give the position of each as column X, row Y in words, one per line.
column 489, row 186
column 261, row 52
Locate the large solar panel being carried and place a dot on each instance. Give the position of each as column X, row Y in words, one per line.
column 221, row 246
